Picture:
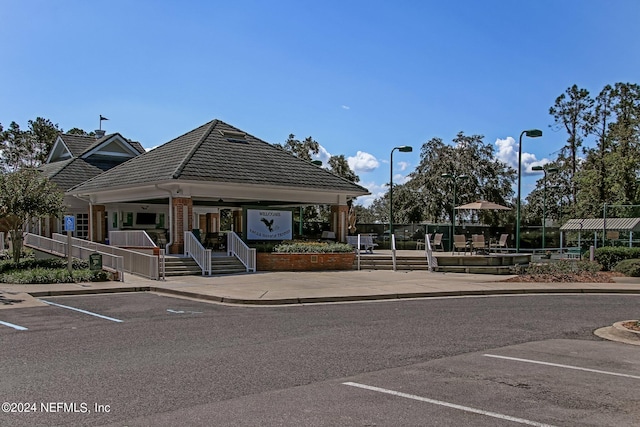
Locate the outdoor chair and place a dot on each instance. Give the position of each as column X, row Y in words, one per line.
column 478, row 242
column 502, row 243
column 420, row 243
column 460, row 242
column 437, row 241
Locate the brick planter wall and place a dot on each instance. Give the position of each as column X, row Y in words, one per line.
column 304, row 262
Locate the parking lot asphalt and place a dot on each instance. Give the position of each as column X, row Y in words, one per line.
column 278, row 288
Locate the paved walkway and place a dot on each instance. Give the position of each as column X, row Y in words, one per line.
column 269, row 288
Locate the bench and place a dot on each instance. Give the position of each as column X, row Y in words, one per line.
column 366, row 242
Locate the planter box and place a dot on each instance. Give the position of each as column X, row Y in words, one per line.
column 304, row 262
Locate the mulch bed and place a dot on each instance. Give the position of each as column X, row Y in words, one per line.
column 599, row 277
column 634, row 325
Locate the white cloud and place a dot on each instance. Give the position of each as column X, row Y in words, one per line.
column 507, row 152
column 403, row 165
column 363, row 162
column 346, row 107
column 376, row 191
column 323, row 155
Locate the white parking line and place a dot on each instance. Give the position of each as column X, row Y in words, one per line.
column 82, row 311
column 448, row 405
column 11, row 325
column 557, row 365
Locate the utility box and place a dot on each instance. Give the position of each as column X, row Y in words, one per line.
column 95, row 261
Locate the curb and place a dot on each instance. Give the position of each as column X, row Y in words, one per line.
column 330, row 299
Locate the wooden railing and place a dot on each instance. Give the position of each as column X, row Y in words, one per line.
column 194, row 249
column 140, row 264
column 110, row 261
column 131, row 238
column 239, row 249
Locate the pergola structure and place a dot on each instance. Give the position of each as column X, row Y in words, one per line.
column 603, row 226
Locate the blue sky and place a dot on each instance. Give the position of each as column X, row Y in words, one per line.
column 360, row 77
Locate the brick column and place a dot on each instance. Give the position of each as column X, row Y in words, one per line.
column 98, row 226
column 237, row 221
column 213, row 222
column 339, row 221
column 182, row 221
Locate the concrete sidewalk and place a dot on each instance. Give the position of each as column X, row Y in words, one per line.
column 272, row 288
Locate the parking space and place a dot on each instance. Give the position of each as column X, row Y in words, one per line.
column 558, row 382
column 85, row 311
column 545, row 383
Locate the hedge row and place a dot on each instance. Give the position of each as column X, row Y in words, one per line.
column 313, row 247
column 610, row 256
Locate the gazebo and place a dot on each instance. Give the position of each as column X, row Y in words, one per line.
column 185, row 183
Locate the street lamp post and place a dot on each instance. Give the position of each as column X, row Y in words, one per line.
column 455, row 179
column 402, row 149
column 546, row 170
column 532, row 133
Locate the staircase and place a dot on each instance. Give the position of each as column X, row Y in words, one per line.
column 384, row 262
column 495, row 264
column 184, row 266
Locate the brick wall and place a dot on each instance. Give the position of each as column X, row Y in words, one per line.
column 304, row 262
column 181, row 223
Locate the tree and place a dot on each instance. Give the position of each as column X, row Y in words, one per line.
column 571, row 110
column 488, row 178
column 338, row 165
column 26, row 194
column 609, row 172
column 302, row 149
column 27, row 148
column 81, row 132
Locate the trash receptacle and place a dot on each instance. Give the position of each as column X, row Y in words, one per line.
column 95, row 261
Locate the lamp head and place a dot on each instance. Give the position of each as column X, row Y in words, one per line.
column 316, row 162
column 446, row 175
column 537, row 168
column 554, row 169
column 405, row 148
column 533, row 133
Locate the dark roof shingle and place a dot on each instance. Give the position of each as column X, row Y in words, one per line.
column 207, row 154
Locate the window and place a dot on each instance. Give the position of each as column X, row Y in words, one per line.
column 82, row 226
column 146, row 218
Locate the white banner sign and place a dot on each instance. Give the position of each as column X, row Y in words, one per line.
column 269, row 224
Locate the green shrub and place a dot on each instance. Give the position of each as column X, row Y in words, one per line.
column 610, row 256
column 51, row 263
column 313, row 247
column 41, row 275
column 628, row 267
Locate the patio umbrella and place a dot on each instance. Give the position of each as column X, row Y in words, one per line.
column 484, row 205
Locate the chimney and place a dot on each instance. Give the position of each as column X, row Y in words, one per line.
column 99, row 133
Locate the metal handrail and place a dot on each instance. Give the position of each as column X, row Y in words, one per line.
column 236, row 247
column 194, row 249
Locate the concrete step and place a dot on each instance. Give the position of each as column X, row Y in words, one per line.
column 183, row 266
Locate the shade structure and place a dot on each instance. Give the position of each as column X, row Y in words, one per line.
column 484, row 205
